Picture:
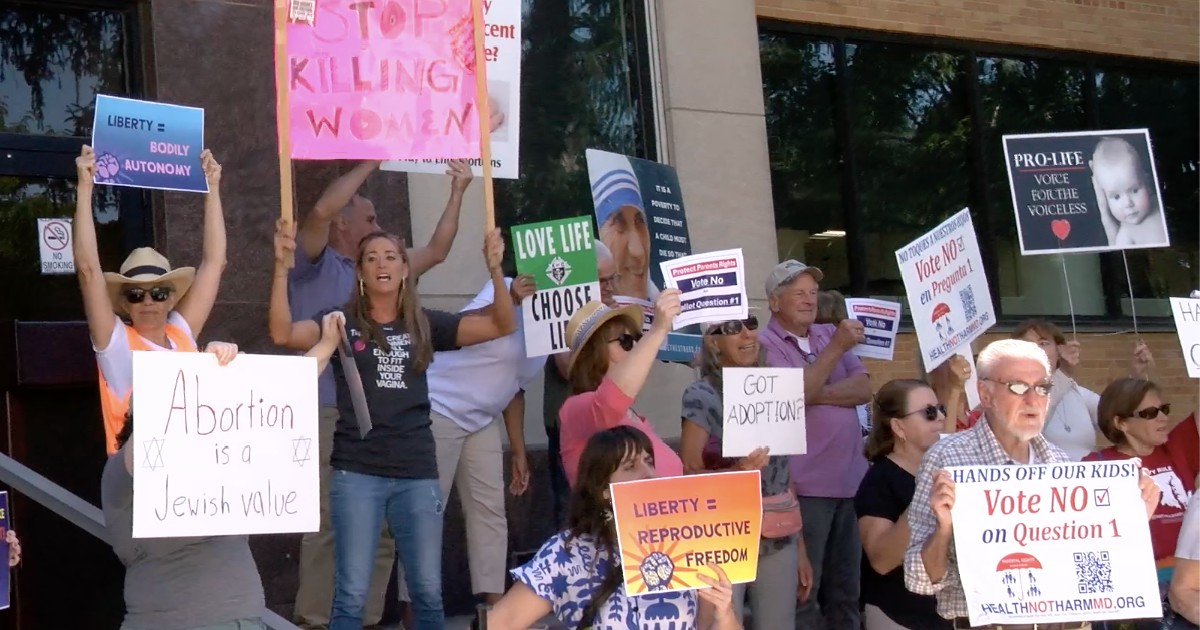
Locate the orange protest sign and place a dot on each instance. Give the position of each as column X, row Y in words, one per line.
column 670, row 529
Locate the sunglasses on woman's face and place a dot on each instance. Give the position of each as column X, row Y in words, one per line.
column 1150, row 413
column 735, row 327
column 136, row 295
column 930, row 412
column 626, row 340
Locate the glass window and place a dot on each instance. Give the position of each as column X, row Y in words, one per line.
column 1032, row 96
column 583, row 85
column 924, row 139
column 1169, row 105
column 799, row 88
column 52, row 65
column 910, row 125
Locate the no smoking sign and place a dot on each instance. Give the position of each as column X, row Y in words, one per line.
column 54, row 242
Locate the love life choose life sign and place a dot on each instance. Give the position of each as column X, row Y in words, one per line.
column 1054, row 543
column 223, row 450
column 561, row 257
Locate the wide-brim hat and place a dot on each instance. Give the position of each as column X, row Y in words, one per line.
column 145, row 266
column 588, row 319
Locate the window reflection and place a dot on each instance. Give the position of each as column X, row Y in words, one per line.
column 799, row 83
column 582, row 86
column 52, row 65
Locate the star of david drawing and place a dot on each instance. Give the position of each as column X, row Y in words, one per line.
column 153, row 451
column 300, row 450
column 558, row 270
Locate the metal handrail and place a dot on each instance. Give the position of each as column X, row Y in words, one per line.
column 80, row 513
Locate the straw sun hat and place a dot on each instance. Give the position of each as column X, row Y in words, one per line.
column 144, row 266
column 588, row 319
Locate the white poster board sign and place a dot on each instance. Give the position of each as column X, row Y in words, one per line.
column 763, row 407
column 712, row 286
column 947, row 288
column 881, row 321
column 502, row 60
column 54, row 244
column 1054, row 543
column 1187, row 326
column 223, row 450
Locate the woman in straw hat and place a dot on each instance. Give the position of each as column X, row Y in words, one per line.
column 147, row 305
column 610, row 360
column 385, row 464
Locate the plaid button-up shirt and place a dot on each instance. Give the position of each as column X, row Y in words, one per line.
column 976, row 446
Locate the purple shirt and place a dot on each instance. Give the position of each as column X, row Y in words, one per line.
column 834, row 464
column 315, row 286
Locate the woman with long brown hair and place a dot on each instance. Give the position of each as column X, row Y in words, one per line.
column 385, row 465
column 576, row 575
column 906, row 420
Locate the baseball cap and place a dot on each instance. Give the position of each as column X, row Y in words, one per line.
column 787, row 271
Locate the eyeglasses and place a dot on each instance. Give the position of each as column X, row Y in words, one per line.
column 931, row 412
column 1150, row 413
column 627, row 340
column 1020, row 388
column 136, row 295
column 735, row 327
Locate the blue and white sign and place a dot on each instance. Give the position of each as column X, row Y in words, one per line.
column 148, row 145
column 881, row 321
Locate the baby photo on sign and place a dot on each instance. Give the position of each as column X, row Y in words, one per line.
column 1085, row 191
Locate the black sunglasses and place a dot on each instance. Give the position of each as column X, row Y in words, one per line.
column 1150, row 413
column 1019, row 388
column 627, row 340
column 930, row 411
column 135, row 295
column 735, row 327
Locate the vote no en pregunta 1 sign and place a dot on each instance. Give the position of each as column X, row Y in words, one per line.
column 560, row 255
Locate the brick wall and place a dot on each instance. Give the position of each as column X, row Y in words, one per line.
column 1156, row 29
column 1104, row 356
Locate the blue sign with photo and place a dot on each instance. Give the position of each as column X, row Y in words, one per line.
column 148, row 145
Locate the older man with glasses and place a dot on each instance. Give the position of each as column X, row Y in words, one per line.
column 827, row 477
column 1014, row 385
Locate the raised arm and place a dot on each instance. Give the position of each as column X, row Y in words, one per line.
column 422, row 259
column 848, row 334
column 97, row 306
column 301, row 335
column 630, row 375
column 314, row 235
column 197, row 304
column 498, row 319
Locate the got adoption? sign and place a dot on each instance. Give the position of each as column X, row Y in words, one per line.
column 1054, row 543
column 560, row 255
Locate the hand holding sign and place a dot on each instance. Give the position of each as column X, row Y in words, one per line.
column 666, row 308
column 1151, row 493
column 493, row 249
column 212, row 169
column 719, row 593
column 225, row 351
column 285, row 243
column 756, row 460
column 1142, row 361
column 849, row 333
column 85, row 166
column 461, row 172
column 941, row 499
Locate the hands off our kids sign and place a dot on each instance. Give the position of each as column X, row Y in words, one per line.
column 560, row 255
column 1054, row 543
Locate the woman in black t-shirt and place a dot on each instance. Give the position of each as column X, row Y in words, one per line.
column 905, row 421
column 387, row 469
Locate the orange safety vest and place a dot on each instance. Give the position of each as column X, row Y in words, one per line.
column 115, row 407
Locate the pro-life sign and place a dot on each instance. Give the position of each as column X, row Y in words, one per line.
column 54, row 244
column 1187, row 327
column 763, row 407
column 223, row 450
column 560, row 255
column 1054, row 543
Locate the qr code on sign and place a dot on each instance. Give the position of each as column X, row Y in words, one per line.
column 1093, row 572
column 967, row 295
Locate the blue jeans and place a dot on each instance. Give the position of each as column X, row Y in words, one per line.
column 835, row 551
column 413, row 508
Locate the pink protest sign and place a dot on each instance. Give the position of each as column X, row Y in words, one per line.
column 383, row 80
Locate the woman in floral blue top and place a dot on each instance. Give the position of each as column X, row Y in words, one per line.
column 574, row 574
